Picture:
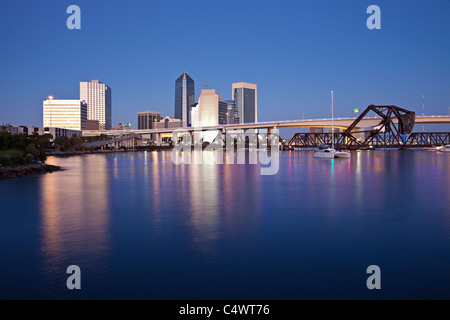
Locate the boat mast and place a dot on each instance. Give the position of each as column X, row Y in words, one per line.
column 332, row 121
column 423, row 107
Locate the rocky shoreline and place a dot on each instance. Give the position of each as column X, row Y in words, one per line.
column 26, row 170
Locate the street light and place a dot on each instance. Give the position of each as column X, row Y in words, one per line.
column 355, row 110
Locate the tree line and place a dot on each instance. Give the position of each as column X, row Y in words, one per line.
column 20, row 149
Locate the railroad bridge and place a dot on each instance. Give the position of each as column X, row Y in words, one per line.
column 392, row 129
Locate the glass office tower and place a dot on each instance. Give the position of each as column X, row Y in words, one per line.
column 245, row 97
column 184, row 98
column 223, row 112
column 232, row 112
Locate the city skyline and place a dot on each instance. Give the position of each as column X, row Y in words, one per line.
column 261, row 151
column 300, row 60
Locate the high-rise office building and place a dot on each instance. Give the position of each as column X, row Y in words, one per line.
column 245, row 96
column 208, row 108
column 65, row 114
column 184, row 98
column 232, row 113
column 147, row 119
column 98, row 98
column 223, row 110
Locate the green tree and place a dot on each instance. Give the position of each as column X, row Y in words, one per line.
column 61, row 143
column 44, row 141
column 76, row 143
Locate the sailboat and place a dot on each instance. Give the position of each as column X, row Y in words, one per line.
column 327, row 152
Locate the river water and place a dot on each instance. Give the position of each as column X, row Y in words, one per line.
column 141, row 227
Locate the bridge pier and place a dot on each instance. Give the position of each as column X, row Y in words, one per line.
column 270, row 132
column 158, row 139
column 223, row 137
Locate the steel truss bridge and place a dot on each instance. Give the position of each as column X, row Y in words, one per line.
column 414, row 140
column 392, row 130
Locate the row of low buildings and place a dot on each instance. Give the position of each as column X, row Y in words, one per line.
column 209, row 110
column 31, row 130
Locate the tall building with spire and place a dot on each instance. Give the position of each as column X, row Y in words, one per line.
column 98, row 98
column 184, row 98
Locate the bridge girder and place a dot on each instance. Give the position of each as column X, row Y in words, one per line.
column 394, row 122
column 387, row 132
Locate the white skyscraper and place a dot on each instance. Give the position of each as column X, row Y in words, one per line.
column 65, row 114
column 208, row 108
column 206, row 113
column 98, row 98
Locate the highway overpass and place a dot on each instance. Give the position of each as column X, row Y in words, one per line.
column 342, row 123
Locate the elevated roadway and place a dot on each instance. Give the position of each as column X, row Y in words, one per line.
column 342, row 123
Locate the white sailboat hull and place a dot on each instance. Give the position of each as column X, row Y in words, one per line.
column 342, row 154
column 330, row 153
column 324, row 155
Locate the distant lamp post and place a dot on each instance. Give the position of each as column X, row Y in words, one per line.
column 355, row 110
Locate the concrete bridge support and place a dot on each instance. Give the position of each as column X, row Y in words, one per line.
column 270, row 135
column 158, row 139
column 223, row 137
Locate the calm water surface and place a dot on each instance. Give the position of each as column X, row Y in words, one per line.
column 141, row 227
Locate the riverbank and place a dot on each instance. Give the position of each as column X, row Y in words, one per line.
column 73, row 153
column 26, row 170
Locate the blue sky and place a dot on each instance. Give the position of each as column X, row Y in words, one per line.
column 295, row 51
